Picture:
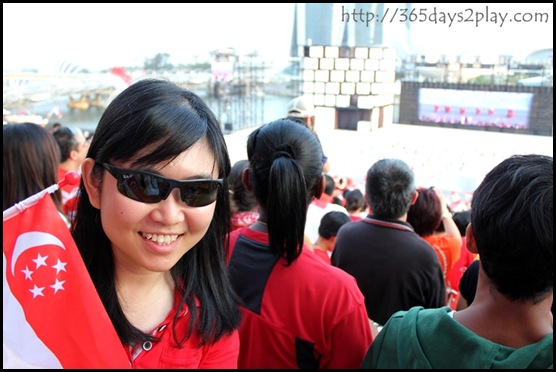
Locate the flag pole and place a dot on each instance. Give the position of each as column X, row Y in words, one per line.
column 71, row 178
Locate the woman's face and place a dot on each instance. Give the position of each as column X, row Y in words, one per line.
column 153, row 237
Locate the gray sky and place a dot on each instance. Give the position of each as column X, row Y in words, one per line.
column 100, row 36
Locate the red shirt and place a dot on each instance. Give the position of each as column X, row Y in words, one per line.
column 306, row 315
column 322, row 254
column 166, row 354
column 465, row 259
column 448, row 250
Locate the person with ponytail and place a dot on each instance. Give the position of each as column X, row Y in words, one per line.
column 298, row 312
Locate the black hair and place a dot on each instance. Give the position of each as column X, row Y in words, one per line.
column 150, row 122
column 286, row 163
column 390, row 186
column 67, row 142
column 462, row 220
column 331, row 222
column 512, row 217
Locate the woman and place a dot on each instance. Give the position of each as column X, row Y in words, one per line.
column 299, row 312
column 426, row 216
column 151, row 223
column 30, row 165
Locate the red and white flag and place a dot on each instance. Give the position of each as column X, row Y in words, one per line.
column 53, row 316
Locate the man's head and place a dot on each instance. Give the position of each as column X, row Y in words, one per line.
column 512, row 219
column 73, row 146
column 390, row 188
column 302, row 110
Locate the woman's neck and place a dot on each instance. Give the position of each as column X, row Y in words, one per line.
column 146, row 300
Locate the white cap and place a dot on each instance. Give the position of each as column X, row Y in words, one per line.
column 301, row 107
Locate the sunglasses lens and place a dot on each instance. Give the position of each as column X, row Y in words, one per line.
column 200, row 193
column 149, row 188
column 142, row 187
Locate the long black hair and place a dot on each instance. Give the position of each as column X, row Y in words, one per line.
column 286, row 165
column 154, row 121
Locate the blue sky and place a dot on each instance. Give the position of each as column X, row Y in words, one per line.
column 100, row 36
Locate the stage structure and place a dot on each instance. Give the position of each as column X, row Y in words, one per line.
column 238, row 88
column 358, row 82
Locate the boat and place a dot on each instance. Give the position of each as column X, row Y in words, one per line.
column 82, row 103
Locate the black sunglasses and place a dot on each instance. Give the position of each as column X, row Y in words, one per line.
column 151, row 188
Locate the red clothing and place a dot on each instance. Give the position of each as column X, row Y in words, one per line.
column 69, row 195
column 242, row 219
column 448, row 250
column 306, row 315
column 465, row 259
column 166, row 354
column 323, row 200
column 322, row 254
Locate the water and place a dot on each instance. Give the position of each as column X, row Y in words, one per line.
column 273, row 107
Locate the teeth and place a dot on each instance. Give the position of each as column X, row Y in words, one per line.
column 161, row 239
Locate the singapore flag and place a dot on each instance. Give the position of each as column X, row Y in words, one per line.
column 53, row 316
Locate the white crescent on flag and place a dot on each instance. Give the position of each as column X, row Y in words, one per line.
column 31, row 240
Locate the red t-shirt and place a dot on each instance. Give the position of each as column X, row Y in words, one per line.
column 322, row 254
column 305, row 315
column 166, row 354
column 448, row 250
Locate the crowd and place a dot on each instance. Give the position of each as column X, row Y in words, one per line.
column 271, row 262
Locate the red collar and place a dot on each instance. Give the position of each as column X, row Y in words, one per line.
column 392, row 225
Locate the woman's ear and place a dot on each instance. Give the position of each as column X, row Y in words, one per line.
column 92, row 184
column 470, row 242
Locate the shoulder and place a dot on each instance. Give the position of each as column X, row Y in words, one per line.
column 444, row 240
column 352, row 226
column 328, row 279
column 416, row 316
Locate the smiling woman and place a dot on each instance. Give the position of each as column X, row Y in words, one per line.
column 152, row 207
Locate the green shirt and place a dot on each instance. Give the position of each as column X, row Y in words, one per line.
column 431, row 338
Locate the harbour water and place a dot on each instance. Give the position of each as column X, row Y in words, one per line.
column 273, row 107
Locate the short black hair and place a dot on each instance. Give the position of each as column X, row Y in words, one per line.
column 512, row 218
column 331, row 222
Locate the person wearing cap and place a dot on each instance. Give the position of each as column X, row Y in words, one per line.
column 300, row 109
